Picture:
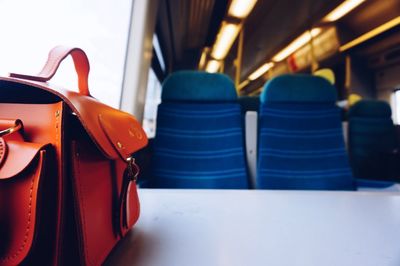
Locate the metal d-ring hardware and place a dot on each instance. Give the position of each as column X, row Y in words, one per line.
column 130, row 174
column 133, row 169
column 17, row 126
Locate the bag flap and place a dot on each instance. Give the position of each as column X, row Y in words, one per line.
column 15, row 157
column 116, row 133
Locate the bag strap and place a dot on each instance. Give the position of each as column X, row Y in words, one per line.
column 56, row 56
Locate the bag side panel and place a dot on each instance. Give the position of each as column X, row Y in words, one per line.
column 95, row 187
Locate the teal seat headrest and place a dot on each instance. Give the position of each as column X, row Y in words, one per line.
column 370, row 108
column 198, row 86
column 298, row 88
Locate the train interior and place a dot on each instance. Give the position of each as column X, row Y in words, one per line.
column 273, row 127
column 351, row 44
column 220, row 58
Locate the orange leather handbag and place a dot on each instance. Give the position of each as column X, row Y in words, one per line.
column 67, row 171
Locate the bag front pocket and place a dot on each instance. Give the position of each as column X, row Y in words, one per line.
column 21, row 173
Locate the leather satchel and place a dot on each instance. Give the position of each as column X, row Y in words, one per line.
column 67, row 169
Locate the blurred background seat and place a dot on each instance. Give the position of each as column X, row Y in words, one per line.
column 373, row 144
column 301, row 142
column 199, row 140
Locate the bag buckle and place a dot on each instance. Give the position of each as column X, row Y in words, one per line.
column 17, row 126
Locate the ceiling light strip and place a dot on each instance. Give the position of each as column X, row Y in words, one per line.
column 342, row 9
column 225, row 39
column 213, row 66
column 261, row 70
column 296, row 44
column 241, row 8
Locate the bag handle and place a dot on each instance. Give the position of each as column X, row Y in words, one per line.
column 56, row 56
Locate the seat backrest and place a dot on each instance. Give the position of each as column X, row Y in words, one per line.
column 199, row 139
column 372, row 138
column 301, row 142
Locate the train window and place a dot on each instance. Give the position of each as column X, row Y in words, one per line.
column 99, row 27
column 153, row 98
column 157, row 49
column 395, row 104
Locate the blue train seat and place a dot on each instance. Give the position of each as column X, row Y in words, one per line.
column 301, row 143
column 373, row 145
column 199, row 140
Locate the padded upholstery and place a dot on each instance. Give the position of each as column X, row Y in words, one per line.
column 372, row 140
column 199, row 144
column 301, row 142
column 298, row 88
column 371, row 109
column 194, row 86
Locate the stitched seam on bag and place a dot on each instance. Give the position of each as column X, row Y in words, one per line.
column 28, row 227
column 104, row 253
column 78, row 170
column 2, row 150
column 51, row 63
column 59, row 213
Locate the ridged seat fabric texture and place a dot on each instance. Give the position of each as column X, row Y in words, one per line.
column 199, row 139
column 301, row 144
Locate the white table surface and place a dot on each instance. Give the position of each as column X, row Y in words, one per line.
column 230, row 227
